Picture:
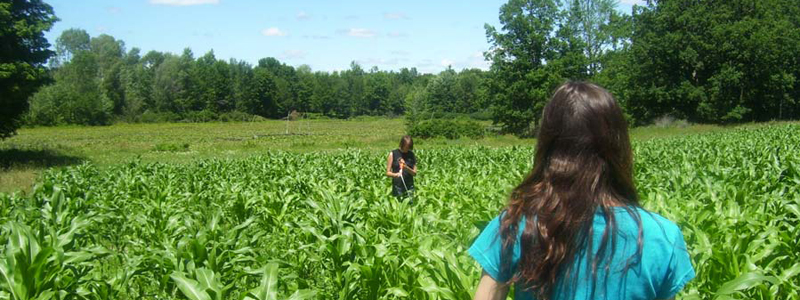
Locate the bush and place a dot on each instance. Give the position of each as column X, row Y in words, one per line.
column 45, row 107
column 238, row 116
column 195, row 117
column 200, row 116
column 481, row 116
column 57, row 104
column 316, row 116
column 450, row 129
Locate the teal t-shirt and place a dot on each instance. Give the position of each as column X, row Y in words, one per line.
column 662, row 271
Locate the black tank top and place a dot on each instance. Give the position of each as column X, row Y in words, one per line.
column 411, row 161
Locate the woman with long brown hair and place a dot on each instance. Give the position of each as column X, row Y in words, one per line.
column 573, row 228
column 401, row 166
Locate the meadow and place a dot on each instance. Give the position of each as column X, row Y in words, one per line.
column 317, row 222
column 24, row 157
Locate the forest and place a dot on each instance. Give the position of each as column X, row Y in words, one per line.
column 716, row 62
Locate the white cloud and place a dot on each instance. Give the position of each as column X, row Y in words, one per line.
column 395, row 34
column 478, row 64
column 395, row 16
column 359, row 32
column 273, row 31
column 303, row 16
column 183, row 2
column 293, row 54
column 632, row 2
column 476, row 60
column 446, row 62
column 113, row 9
column 101, row 29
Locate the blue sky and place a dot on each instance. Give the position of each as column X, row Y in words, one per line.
column 326, row 35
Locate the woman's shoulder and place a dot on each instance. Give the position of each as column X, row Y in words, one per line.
column 496, row 222
column 657, row 226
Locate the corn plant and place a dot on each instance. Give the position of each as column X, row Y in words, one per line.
column 324, row 225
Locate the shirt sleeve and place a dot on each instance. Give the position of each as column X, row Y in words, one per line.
column 679, row 270
column 487, row 251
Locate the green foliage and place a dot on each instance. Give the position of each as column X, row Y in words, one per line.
column 480, row 116
column 543, row 43
column 85, row 89
column 441, row 92
column 96, row 82
column 171, row 147
column 716, row 61
column 447, row 128
column 70, row 42
column 156, row 117
column 415, row 106
column 449, row 95
column 520, row 79
column 109, row 52
column 200, row 116
column 22, row 57
column 43, row 258
column 703, row 61
column 454, row 92
column 45, row 106
column 238, row 116
column 323, row 225
column 726, row 190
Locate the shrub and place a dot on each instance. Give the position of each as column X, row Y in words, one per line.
column 200, row 116
column 482, row 116
column 45, row 107
column 316, row 116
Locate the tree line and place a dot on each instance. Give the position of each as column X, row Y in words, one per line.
column 703, row 61
column 96, row 81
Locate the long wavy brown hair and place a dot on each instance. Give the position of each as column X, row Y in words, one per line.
column 583, row 163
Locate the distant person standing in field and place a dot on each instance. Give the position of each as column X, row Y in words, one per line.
column 573, row 228
column 401, row 166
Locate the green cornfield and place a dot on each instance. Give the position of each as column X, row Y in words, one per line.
column 324, row 226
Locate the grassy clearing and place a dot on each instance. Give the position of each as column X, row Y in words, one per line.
column 23, row 157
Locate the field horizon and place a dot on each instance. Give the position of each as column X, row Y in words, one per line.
column 36, row 149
